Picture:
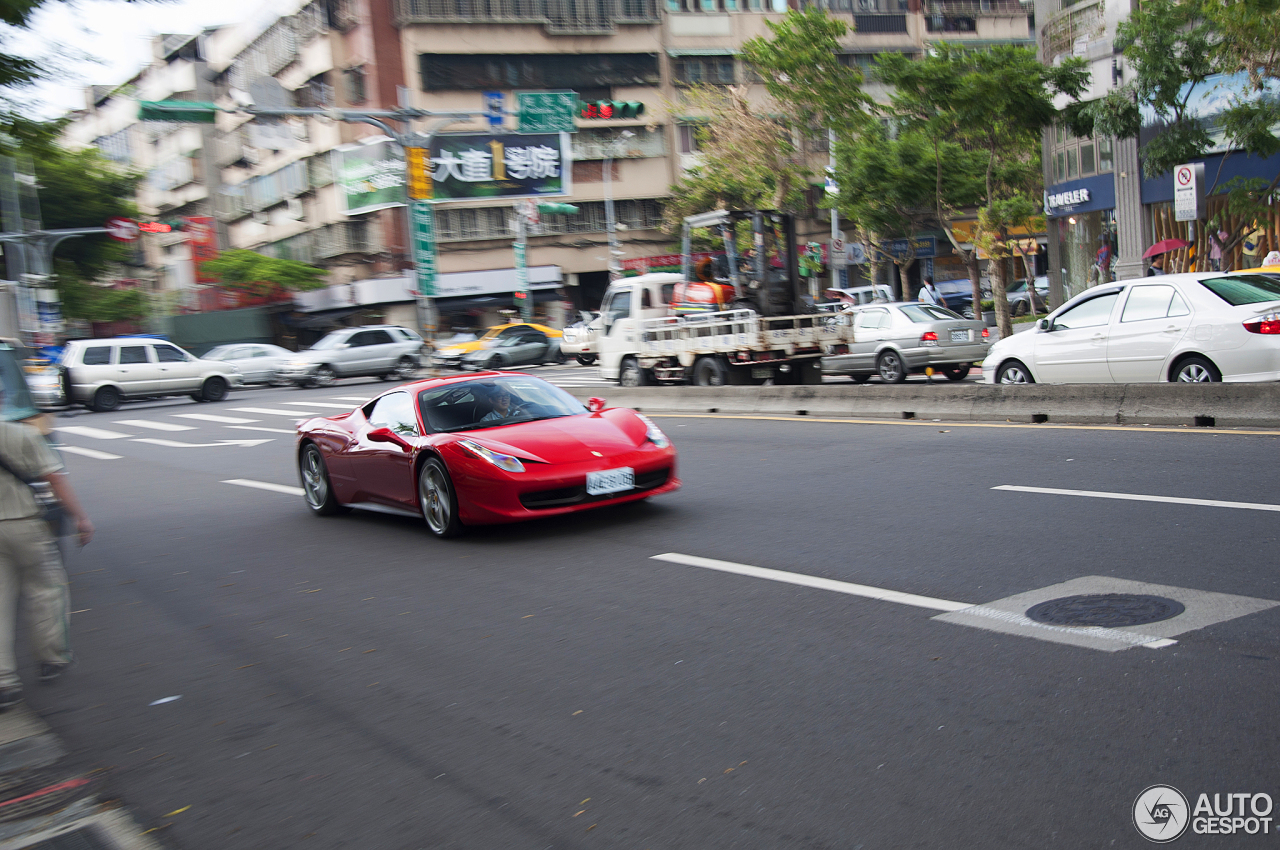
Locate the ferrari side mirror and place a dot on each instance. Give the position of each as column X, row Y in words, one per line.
column 386, row 435
column 595, row 405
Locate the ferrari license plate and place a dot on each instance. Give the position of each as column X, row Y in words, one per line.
column 959, row 336
column 610, row 481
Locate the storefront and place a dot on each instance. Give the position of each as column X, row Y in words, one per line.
column 1082, row 220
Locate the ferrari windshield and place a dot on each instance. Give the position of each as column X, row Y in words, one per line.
column 492, row 402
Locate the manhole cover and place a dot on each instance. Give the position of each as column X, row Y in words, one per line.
column 1108, row 610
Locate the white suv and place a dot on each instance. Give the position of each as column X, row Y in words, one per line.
column 100, row 373
column 389, row 352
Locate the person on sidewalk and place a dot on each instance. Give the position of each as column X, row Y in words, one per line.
column 30, row 562
column 929, row 293
column 1157, row 266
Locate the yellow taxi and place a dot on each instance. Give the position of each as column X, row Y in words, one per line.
column 451, row 355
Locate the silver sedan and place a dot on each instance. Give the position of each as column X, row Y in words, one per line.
column 257, row 362
column 894, row 340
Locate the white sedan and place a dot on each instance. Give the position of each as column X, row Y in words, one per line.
column 257, row 362
column 1184, row 327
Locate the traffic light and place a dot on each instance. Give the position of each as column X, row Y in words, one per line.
column 184, row 111
column 418, row 163
column 557, row 209
column 607, row 109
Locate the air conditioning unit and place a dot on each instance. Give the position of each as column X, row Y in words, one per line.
column 251, row 155
column 293, row 208
column 299, row 130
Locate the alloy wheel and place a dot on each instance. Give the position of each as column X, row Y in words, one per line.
column 314, row 485
column 1194, row 373
column 435, row 500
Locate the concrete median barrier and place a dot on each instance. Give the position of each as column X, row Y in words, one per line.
column 1202, row 405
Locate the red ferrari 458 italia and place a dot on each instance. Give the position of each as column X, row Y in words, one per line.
column 478, row 449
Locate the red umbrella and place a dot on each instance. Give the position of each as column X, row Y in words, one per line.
column 1164, row 246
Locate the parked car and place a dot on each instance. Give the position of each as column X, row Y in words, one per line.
column 386, row 351
column 859, row 294
column 481, row 449
column 100, row 373
column 530, row 347
column 959, row 297
column 451, row 355
column 1020, row 297
column 1208, row 326
column 894, row 340
column 259, row 363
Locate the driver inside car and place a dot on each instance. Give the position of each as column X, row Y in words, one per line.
column 502, row 405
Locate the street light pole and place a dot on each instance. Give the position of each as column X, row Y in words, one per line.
column 611, row 224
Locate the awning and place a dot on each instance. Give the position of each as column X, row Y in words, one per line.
column 701, row 51
column 963, row 231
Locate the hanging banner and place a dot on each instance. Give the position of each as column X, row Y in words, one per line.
column 202, row 236
column 501, row 166
column 370, row 176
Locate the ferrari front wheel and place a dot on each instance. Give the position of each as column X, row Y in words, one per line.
column 316, row 488
column 437, row 500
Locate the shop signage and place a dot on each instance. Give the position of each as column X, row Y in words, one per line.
column 1188, row 192
column 370, row 176
column 1060, row 200
column 897, row 249
column 501, row 166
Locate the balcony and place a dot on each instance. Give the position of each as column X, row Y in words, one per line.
column 557, row 17
column 879, row 24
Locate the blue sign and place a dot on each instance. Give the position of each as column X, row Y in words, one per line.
column 495, row 104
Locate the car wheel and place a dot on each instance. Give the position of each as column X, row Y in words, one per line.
column 956, row 373
column 1197, row 370
column 323, row 377
column 1014, row 372
column 214, row 389
column 631, row 375
column 437, row 499
column 106, row 399
column 709, row 372
column 586, row 359
column 1020, row 309
column 403, row 370
column 198, row 397
column 889, row 365
column 315, row 483
column 859, row 379
column 558, row 357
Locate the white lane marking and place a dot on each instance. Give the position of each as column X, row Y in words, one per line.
column 209, row 417
column 93, row 453
column 815, row 582
column 257, row 428
column 1134, row 497
column 95, row 433
column 264, row 485
column 155, row 426
column 317, row 404
column 356, row 399
column 297, row 414
column 174, row 444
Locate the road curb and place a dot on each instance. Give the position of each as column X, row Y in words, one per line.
column 1205, row 405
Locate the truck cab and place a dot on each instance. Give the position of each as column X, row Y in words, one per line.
column 627, row 303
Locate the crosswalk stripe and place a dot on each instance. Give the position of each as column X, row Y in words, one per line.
column 264, row 485
column 209, row 417
column 317, row 404
column 259, row 428
column 93, row 453
column 297, row 414
column 94, row 433
column 155, row 426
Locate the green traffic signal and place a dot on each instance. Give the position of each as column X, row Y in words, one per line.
column 557, row 209
column 183, row 111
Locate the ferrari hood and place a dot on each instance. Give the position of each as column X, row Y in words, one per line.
column 568, row 439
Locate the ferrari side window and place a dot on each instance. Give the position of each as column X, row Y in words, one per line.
column 395, row 411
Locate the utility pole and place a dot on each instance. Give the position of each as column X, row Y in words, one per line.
column 611, row 223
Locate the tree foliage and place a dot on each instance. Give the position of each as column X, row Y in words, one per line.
column 752, row 152
column 253, row 272
column 983, row 112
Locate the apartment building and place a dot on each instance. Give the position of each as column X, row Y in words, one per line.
column 273, row 187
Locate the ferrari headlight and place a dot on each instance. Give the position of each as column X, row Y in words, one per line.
column 498, row 459
column 653, row 433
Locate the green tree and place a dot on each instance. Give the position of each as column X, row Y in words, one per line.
column 258, row 274
column 994, row 103
column 752, row 152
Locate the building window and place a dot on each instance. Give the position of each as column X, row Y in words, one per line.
column 1087, row 165
column 1071, row 164
column 689, row 141
column 1104, row 155
column 577, row 71
column 355, row 78
column 713, row 70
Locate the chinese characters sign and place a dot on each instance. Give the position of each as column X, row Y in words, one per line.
column 370, row 176
column 546, row 111
column 500, row 166
column 424, row 247
column 203, row 239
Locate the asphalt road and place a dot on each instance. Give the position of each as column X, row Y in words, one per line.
column 353, row 682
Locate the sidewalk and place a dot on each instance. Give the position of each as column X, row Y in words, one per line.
column 46, row 807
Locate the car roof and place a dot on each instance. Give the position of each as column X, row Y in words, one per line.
column 132, row 339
